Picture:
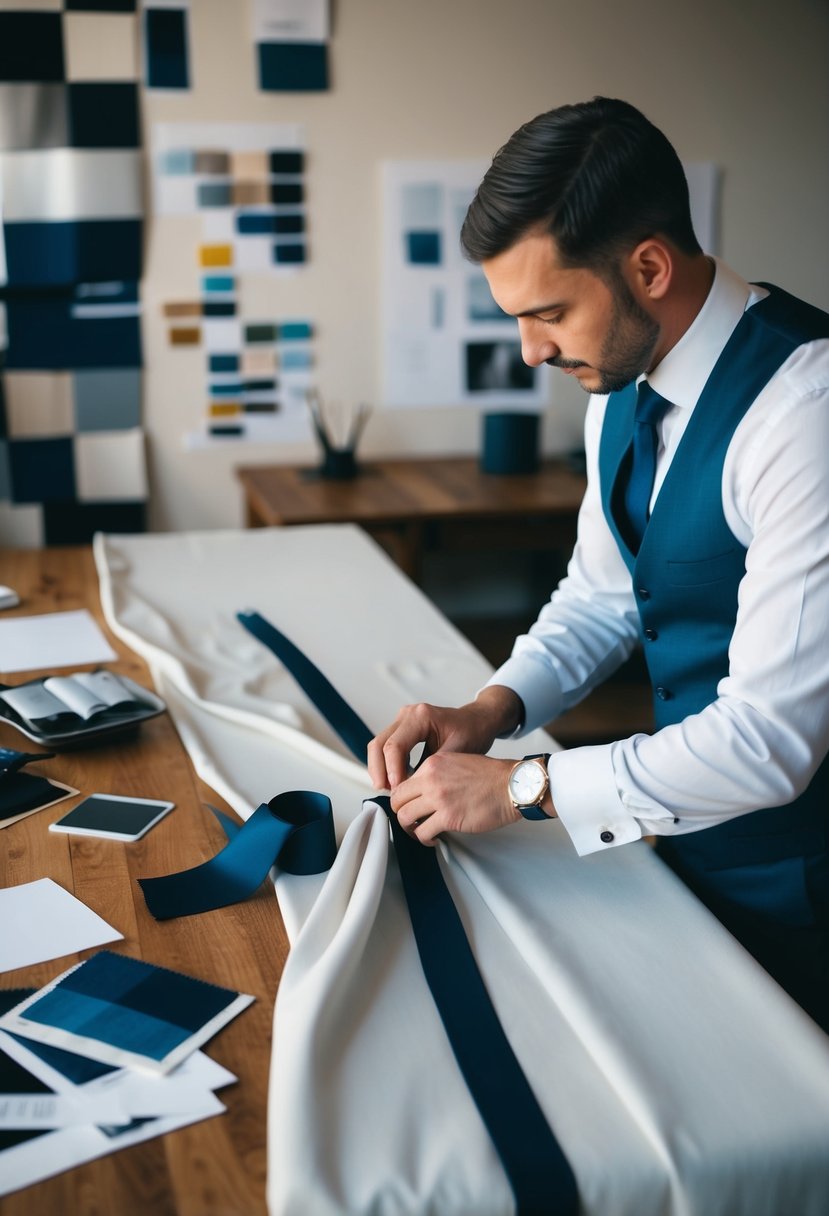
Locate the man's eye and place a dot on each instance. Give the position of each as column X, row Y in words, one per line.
column 552, row 320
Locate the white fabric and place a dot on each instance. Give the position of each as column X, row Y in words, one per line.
column 759, row 742
column 679, row 1079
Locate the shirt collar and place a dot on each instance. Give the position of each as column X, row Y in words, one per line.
column 681, row 376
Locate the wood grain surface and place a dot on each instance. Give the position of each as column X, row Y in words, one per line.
column 215, row 1167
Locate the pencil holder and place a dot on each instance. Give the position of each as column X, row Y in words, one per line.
column 338, row 463
column 510, row 443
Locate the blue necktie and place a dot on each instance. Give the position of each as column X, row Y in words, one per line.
column 650, row 408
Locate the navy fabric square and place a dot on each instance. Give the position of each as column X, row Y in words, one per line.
column 75, row 523
column 166, row 48
column 31, row 46
column 293, row 66
column 100, row 6
column 286, row 255
column 44, row 334
column 251, row 223
column 286, row 192
column 219, row 308
column 42, row 470
column 104, row 115
column 41, row 254
column 288, row 224
column 423, row 248
column 287, row 162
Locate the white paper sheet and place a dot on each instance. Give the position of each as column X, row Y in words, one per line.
column 48, row 923
column 54, row 639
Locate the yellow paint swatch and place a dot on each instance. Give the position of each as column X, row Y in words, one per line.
column 185, row 335
column 183, row 308
column 216, row 255
column 223, row 409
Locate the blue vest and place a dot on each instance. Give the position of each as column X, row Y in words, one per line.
column 685, row 578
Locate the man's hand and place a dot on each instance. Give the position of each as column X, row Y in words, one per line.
column 452, row 792
column 472, row 728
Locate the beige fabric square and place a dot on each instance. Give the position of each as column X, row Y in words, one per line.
column 258, row 362
column 100, row 46
column 39, row 404
column 251, row 165
column 110, row 466
column 21, row 527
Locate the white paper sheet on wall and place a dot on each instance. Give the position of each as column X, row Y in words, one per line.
column 446, row 341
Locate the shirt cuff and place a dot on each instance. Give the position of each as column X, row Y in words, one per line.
column 534, row 683
column 587, row 801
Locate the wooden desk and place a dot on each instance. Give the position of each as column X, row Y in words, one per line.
column 216, row 1167
column 408, row 505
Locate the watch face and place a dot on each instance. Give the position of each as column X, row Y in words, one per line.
column 527, row 783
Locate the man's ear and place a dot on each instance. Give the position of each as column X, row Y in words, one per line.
column 650, row 270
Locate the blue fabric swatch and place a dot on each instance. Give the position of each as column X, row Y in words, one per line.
column 42, row 470
column 166, row 48
column 103, row 114
column 45, row 254
column 293, row 66
column 31, row 46
column 129, row 1004
column 44, row 334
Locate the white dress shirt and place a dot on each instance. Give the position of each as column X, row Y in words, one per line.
column 759, row 743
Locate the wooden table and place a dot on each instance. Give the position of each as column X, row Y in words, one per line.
column 411, row 505
column 216, row 1167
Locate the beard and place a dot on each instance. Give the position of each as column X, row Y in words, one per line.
column 627, row 348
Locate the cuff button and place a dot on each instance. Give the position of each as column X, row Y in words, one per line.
column 607, row 837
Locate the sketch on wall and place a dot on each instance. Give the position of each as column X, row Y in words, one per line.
column 445, row 340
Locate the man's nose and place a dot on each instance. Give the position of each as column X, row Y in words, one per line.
column 537, row 346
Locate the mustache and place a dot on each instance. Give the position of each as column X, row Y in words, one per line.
column 565, row 364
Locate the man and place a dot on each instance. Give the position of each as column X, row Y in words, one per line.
column 704, row 534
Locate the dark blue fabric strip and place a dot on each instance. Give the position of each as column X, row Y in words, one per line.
column 539, row 1174
column 295, row 829
column 333, row 707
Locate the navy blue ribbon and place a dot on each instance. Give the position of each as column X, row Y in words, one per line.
column 294, row 830
column 539, row 1174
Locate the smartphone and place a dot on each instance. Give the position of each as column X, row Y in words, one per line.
column 112, row 817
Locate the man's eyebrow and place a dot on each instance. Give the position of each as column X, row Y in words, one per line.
column 534, row 312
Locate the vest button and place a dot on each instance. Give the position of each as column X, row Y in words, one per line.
column 651, row 635
column 664, row 694
column 607, row 837
column 643, row 593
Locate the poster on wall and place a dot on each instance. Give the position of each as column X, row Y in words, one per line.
column 445, row 340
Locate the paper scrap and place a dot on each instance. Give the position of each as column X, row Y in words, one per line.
column 48, row 923
column 54, row 639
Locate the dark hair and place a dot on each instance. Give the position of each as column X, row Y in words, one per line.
column 598, row 176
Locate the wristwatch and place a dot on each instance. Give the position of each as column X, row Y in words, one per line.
column 527, row 784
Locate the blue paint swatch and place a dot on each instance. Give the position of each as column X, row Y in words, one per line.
column 31, row 47
column 293, row 66
column 295, row 331
column 256, row 223
column 285, row 255
column 103, row 115
column 289, row 193
column 223, row 363
column 218, row 308
column 218, row 282
column 287, row 162
column 423, row 248
column 165, row 31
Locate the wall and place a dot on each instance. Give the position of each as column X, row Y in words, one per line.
column 743, row 84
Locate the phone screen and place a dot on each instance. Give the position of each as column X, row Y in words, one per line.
column 113, row 816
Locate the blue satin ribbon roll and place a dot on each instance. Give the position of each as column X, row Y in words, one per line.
column 294, row 830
